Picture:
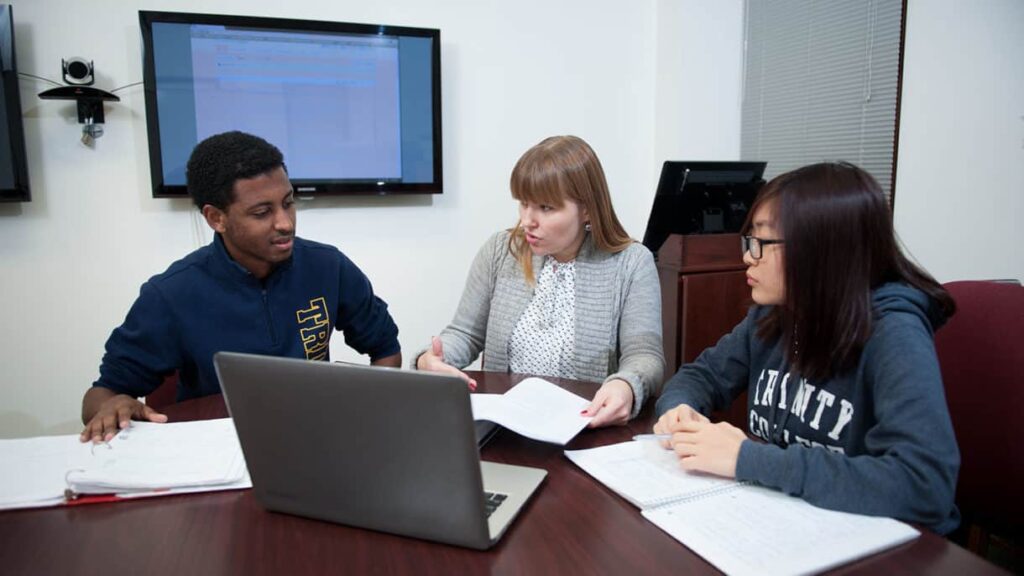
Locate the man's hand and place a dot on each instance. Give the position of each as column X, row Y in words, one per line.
column 106, row 413
column 611, row 405
column 433, row 361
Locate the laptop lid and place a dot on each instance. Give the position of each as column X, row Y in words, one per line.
column 485, row 430
column 376, row 448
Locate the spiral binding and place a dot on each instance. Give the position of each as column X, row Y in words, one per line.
column 693, row 496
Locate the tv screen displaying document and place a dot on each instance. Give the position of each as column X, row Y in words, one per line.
column 355, row 108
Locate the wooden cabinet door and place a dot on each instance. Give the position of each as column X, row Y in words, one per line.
column 712, row 304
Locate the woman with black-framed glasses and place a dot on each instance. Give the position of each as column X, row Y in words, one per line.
column 845, row 396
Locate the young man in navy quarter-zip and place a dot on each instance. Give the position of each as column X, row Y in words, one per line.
column 256, row 288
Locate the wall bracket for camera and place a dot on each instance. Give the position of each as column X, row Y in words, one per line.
column 90, row 101
column 78, row 73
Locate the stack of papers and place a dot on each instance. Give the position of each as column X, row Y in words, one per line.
column 145, row 459
column 534, row 408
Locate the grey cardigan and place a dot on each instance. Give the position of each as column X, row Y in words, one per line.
column 618, row 315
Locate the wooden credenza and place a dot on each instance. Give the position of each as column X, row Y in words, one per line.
column 704, row 294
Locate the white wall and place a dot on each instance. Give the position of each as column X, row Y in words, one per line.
column 960, row 173
column 642, row 81
column 513, row 73
column 698, row 92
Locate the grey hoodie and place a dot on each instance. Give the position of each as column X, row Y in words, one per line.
column 875, row 440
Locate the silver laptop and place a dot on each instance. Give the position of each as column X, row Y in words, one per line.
column 378, row 448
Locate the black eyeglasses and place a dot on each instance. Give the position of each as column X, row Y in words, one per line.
column 754, row 245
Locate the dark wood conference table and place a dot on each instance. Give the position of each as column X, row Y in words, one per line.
column 573, row 525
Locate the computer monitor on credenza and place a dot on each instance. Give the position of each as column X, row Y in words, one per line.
column 706, row 197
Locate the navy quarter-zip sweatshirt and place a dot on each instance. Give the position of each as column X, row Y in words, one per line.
column 206, row 303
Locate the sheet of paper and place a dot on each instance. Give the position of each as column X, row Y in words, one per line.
column 534, row 408
column 643, row 472
column 34, row 469
column 755, row 530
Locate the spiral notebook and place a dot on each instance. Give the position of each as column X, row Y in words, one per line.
column 737, row 527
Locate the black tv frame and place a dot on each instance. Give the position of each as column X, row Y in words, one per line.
column 702, row 197
column 303, row 187
column 15, row 136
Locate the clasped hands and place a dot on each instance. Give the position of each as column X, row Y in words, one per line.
column 702, row 446
column 610, row 406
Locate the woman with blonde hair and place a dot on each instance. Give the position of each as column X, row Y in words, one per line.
column 565, row 293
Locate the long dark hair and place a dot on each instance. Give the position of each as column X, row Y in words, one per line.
column 840, row 245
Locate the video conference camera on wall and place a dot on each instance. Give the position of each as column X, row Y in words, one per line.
column 79, row 74
column 77, row 71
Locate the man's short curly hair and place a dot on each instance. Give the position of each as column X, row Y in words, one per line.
column 217, row 162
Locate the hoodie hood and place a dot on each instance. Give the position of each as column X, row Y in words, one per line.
column 897, row 297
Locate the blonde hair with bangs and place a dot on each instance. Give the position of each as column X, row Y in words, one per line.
column 560, row 169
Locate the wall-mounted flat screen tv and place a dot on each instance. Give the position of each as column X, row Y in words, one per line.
column 355, row 108
column 13, row 162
